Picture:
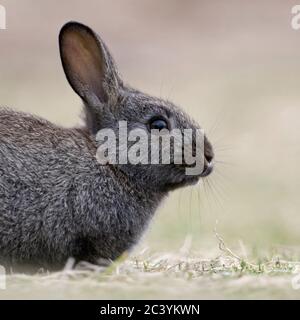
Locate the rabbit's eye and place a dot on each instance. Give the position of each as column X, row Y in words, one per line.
column 158, row 124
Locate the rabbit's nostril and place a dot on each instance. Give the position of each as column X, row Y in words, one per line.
column 208, row 151
column 208, row 157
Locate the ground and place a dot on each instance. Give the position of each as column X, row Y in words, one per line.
column 180, row 275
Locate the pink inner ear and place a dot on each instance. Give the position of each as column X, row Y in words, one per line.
column 83, row 62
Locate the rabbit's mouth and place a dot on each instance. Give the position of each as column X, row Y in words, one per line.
column 184, row 182
column 208, row 168
column 188, row 180
column 183, row 179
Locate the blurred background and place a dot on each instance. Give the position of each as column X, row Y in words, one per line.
column 233, row 65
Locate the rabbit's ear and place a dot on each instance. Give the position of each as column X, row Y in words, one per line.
column 88, row 65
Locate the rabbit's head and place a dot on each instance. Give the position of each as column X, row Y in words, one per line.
column 92, row 73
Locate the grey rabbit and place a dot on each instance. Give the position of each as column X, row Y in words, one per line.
column 56, row 200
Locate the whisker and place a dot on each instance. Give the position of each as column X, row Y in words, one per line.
column 215, row 192
column 220, row 174
column 222, row 147
column 217, row 122
column 219, row 190
column 224, row 163
column 205, row 187
column 179, row 201
column 199, row 202
column 190, row 210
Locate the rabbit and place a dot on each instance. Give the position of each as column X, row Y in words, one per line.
column 56, row 200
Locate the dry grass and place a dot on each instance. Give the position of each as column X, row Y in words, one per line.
column 180, row 275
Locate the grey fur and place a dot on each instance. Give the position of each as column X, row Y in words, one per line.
column 56, row 200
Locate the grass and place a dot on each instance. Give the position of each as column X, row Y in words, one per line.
column 183, row 274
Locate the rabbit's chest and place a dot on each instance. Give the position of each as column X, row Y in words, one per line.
column 111, row 232
column 109, row 244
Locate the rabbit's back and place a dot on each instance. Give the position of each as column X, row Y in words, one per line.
column 38, row 162
column 37, row 155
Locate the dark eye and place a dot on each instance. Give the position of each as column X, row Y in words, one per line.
column 158, row 124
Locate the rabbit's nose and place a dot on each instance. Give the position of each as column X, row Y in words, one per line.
column 208, row 151
column 208, row 158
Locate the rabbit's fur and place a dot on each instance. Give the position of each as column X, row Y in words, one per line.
column 56, row 200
